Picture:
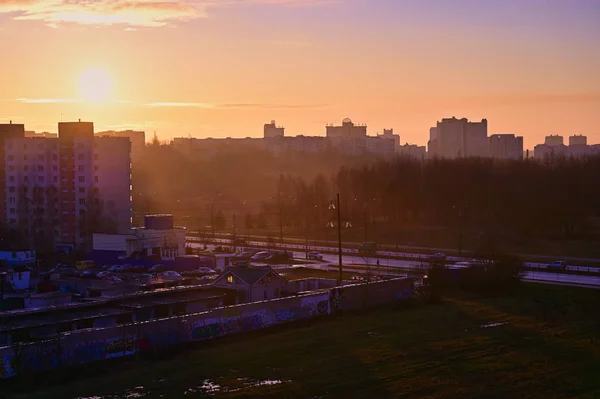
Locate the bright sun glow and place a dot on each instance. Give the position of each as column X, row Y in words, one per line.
column 95, row 85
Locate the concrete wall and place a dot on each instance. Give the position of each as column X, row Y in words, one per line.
column 85, row 346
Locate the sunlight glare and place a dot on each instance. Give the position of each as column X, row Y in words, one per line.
column 95, row 85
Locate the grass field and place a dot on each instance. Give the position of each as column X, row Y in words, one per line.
column 548, row 348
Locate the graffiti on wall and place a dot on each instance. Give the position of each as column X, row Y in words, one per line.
column 316, row 305
column 119, row 347
column 7, row 369
column 336, row 299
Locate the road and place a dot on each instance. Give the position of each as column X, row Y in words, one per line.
column 331, row 260
column 419, row 258
column 225, row 238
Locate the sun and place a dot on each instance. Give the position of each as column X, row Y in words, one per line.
column 95, row 85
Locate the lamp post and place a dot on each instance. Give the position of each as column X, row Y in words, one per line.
column 459, row 212
column 336, row 206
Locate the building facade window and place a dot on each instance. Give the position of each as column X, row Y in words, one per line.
column 81, row 179
column 81, row 168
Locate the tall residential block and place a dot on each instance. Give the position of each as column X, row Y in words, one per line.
column 271, row 130
column 506, row 146
column 61, row 191
column 7, row 131
column 455, row 138
column 136, row 137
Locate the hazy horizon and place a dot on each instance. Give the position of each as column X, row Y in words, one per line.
column 223, row 69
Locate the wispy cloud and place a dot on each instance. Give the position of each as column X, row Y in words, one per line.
column 48, row 100
column 63, row 101
column 178, row 104
column 235, row 105
column 149, row 13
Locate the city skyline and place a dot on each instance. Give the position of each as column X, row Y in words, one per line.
column 528, row 69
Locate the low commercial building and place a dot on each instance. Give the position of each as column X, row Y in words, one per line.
column 252, row 283
column 159, row 238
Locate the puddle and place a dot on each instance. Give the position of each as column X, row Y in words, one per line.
column 491, row 325
column 128, row 394
column 209, row 386
column 488, row 325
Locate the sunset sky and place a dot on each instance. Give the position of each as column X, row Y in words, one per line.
column 218, row 68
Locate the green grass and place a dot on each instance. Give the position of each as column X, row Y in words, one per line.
column 548, row 349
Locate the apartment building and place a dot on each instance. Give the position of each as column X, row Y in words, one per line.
column 506, row 146
column 60, row 191
column 455, row 138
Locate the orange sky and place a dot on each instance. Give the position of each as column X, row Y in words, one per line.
column 224, row 68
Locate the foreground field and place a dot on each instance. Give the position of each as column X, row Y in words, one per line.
column 541, row 342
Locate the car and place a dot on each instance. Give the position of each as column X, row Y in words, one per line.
column 438, row 256
column 104, row 274
column 262, row 255
column 315, row 256
column 557, row 265
column 65, row 272
column 157, row 269
column 88, row 274
column 169, row 273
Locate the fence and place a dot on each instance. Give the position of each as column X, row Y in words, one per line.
column 85, row 346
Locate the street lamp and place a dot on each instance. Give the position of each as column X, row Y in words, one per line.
column 459, row 211
column 336, row 206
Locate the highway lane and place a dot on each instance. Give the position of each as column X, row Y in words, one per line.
column 407, row 248
column 331, row 261
column 416, row 257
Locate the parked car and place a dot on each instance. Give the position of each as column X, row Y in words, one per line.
column 315, row 256
column 169, row 273
column 104, row 274
column 157, row 269
column 65, row 271
column 557, row 265
column 200, row 272
column 88, row 274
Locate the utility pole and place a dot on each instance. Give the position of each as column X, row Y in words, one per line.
column 234, row 238
column 339, row 218
column 306, row 234
column 212, row 220
column 366, row 224
column 280, row 221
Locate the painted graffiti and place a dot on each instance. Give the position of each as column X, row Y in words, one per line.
column 88, row 352
column 336, row 299
column 252, row 323
column 120, row 347
column 206, row 331
column 7, row 369
column 323, row 307
column 230, row 326
column 284, row 315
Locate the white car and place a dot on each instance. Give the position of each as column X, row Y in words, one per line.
column 315, row 256
column 260, row 256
